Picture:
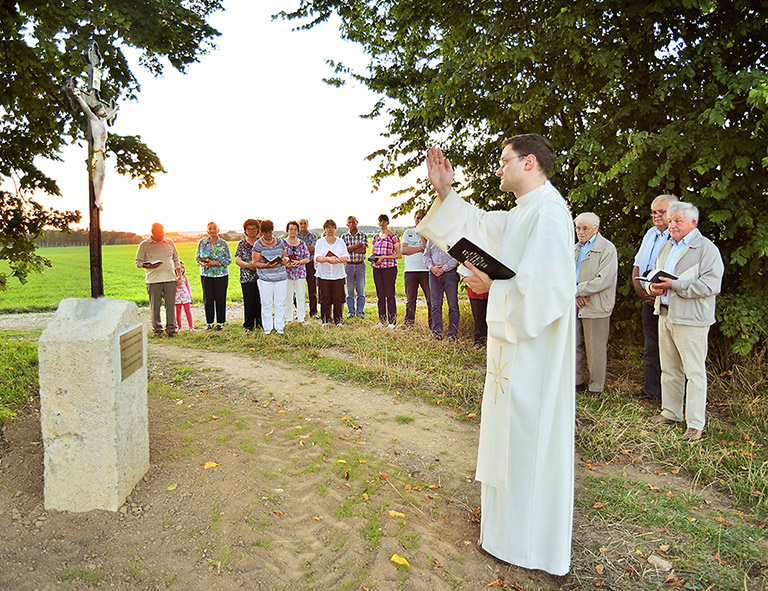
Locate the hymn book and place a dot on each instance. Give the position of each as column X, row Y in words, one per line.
column 466, row 250
column 656, row 277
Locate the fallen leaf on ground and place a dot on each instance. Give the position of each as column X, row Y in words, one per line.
column 209, row 465
column 392, row 513
column 172, row 487
column 278, row 512
column 722, row 561
column 382, row 476
column 602, row 549
column 471, row 415
column 664, row 547
column 434, row 486
column 675, row 470
column 435, row 563
column 399, row 560
column 341, row 461
column 317, row 518
column 598, row 505
column 600, row 568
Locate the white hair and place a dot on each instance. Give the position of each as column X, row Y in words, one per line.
column 670, row 199
column 689, row 210
column 588, row 216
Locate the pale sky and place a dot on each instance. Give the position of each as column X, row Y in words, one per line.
column 249, row 131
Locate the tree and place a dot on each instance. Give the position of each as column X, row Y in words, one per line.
column 638, row 98
column 42, row 42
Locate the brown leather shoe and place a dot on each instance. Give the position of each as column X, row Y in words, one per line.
column 692, row 434
column 662, row 420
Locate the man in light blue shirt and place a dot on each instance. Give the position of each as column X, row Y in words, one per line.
column 653, row 241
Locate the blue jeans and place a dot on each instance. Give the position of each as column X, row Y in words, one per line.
column 355, row 284
column 448, row 284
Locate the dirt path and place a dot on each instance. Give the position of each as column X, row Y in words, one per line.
column 308, row 469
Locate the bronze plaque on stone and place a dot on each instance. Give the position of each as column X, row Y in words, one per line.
column 131, row 352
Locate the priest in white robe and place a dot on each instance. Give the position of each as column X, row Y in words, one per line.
column 525, row 458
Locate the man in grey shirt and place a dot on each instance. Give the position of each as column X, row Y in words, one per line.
column 158, row 257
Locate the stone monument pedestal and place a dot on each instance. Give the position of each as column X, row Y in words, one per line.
column 93, row 404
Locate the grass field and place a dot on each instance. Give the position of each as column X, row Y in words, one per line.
column 70, row 278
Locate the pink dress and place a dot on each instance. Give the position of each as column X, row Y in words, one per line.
column 183, row 291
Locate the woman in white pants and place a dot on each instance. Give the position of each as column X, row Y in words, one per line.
column 270, row 258
column 298, row 255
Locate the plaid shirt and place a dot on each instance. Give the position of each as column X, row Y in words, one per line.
column 350, row 239
column 309, row 239
column 385, row 246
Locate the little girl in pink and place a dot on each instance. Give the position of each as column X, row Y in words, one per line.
column 183, row 298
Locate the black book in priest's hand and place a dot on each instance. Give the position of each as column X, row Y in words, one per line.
column 466, row 250
column 656, row 277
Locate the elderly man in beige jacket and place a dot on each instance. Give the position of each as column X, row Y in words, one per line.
column 596, row 271
column 685, row 306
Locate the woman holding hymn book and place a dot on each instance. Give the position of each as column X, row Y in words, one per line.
column 270, row 258
column 330, row 256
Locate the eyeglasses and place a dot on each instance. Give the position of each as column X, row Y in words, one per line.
column 505, row 161
column 583, row 228
column 658, row 212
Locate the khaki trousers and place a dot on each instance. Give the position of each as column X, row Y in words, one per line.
column 683, row 354
column 593, row 342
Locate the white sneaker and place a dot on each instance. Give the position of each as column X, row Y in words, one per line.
column 378, row 325
column 390, row 326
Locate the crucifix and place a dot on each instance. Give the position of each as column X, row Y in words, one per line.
column 99, row 113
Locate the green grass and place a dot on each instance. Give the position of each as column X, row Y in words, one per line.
column 696, row 531
column 85, row 575
column 18, row 372
column 70, row 278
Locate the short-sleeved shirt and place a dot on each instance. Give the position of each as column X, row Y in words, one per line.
column 352, row 239
column 278, row 272
column 385, row 246
column 244, row 250
column 218, row 251
column 310, row 239
column 297, row 253
column 413, row 262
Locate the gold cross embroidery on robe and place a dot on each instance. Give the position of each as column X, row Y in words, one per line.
column 497, row 373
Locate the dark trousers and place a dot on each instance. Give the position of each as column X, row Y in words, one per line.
column 479, row 311
column 251, row 305
column 163, row 293
column 651, row 363
column 413, row 280
column 215, row 298
column 331, row 297
column 384, row 279
column 311, row 288
column 448, row 284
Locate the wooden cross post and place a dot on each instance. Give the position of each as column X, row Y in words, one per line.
column 94, row 237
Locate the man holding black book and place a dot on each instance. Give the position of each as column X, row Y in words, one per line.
column 158, row 257
column 685, row 306
column 526, row 452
